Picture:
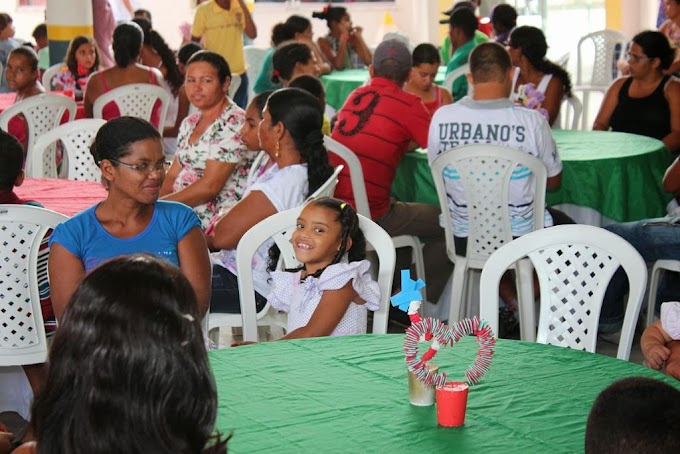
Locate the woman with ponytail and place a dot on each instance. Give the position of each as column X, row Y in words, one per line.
column 533, row 84
column 290, row 133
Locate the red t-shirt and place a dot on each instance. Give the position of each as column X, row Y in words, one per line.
column 378, row 122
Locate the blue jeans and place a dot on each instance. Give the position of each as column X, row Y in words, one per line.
column 654, row 239
column 241, row 95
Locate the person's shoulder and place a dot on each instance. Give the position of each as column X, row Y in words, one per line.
column 170, row 206
column 673, row 86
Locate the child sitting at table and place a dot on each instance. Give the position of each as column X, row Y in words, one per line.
column 426, row 61
column 82, row 59
column 658, row 341
column 328, row 295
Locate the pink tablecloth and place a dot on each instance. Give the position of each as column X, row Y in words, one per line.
column 63, row 196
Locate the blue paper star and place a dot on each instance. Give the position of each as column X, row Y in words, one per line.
column 410, row 291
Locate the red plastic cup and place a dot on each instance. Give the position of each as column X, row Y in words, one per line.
column 451, row 404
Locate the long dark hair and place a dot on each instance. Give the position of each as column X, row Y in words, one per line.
column 173, row 75
column 301, row 114
column 71, row 62
column 128, row 370
column 349, row 222
column 127, row 42
column 534, row 47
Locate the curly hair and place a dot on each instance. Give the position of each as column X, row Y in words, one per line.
column 143, row 383
column 173, row 75
column 71, row 62
column 531, row 41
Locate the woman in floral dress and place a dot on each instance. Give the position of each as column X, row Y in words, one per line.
column 211, row 164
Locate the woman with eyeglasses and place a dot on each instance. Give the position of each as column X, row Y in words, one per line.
column 647, row 102
column 131, row 219
column 211, row 164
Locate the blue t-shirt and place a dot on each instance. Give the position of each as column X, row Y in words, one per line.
column 84, row 237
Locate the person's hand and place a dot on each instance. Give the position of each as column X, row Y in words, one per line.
column 355, row 35
column 655, row 356
column 5, row 441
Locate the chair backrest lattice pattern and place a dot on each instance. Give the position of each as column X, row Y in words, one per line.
column 602, row 49
column 135, row 100
column 23, row 271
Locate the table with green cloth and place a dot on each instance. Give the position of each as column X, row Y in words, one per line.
column 339, row 84
column 618, row 175
column 350, row 394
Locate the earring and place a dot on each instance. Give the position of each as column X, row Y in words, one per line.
column 276, row 153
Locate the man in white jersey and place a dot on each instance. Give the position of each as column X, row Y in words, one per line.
column 490, row 117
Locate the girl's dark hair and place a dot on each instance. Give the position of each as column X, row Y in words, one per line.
column 300, row 113
column 426, row 53
column 114, row 138
column 30, row 55
column 349, row 223
column 286, row 57
column 173, row 75
column 186, row 51
column 311, row 85
column 330, row 14
column 655, row 45
column 215, row 60
column 298, row 24
column 127, row 42
column 133, row 329
column 261, row 99
column 5, row 20
column 534, row 47
column 71, row 62
column 11, row 160
column 285, row 31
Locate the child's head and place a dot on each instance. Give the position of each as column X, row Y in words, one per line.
column 185, row 53
column 40, row 36
column 312, row 85
column 635, row 415
column 426, row 62
column 327, row 229
column 6, row 27
column 133, row 329
column 22, row 69
column 248, row 132
column 82, row 55
column 11, row 162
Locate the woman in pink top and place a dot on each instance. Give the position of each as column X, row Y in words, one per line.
column 127, row 44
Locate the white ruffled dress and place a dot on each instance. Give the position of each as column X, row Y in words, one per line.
column 300, row 299
column 670, row 319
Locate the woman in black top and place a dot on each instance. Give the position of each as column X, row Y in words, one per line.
column 646, row 102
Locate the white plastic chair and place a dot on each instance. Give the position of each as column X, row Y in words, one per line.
column 570, row 114
column 328, row 188
column 234, row 85
column 659, row 266
column 135, row 100
column 49, row 74
column 254, row 60
column 42, row 113
column 285, row 221
column 356, row 175
column 76, row 138
column 485, row 173
column 23, row 270
column 455, row 74
column 574, row 264
column 603, row 48
column 563, row 61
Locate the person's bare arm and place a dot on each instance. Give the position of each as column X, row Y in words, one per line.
column 611, row 100
column 194, row 261
column 92, row 92
column 250, row 29
column 327, row 315
column 672, row 92
column 356, row 39
column 553, row 183
column 170, row 177
column 446, row 96
column 337, row 59
column 671, row 179
column 207, row 187
column 653, row 345
column 553, row 99
column 241, row 217
column 66, row 271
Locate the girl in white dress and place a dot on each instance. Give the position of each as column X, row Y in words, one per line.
column 332, row 291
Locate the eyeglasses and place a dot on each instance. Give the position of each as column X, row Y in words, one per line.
column 636, row 58
column 160, row 167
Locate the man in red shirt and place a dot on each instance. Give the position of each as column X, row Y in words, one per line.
column 380, row 122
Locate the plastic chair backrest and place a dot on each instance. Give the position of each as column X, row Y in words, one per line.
column 234, row 85
column 254, row 60
column 49, row 74
column 574, row 264
column 76, row 138
column 563, row 61
column 23, row 271
column 603, row 48
column 569, row 117
column 485, row 172
column 135, row 100
column 356, row 174
column 455, row 74
column 285, row 221
column 43, row 113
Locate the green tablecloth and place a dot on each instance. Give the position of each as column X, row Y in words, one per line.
column 339, row 84
column 615, row 173
column 350, row 394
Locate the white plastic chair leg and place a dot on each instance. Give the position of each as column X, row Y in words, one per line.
column 525, row 300
column 457, row 290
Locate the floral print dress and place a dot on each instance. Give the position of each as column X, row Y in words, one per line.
column 220, row 142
